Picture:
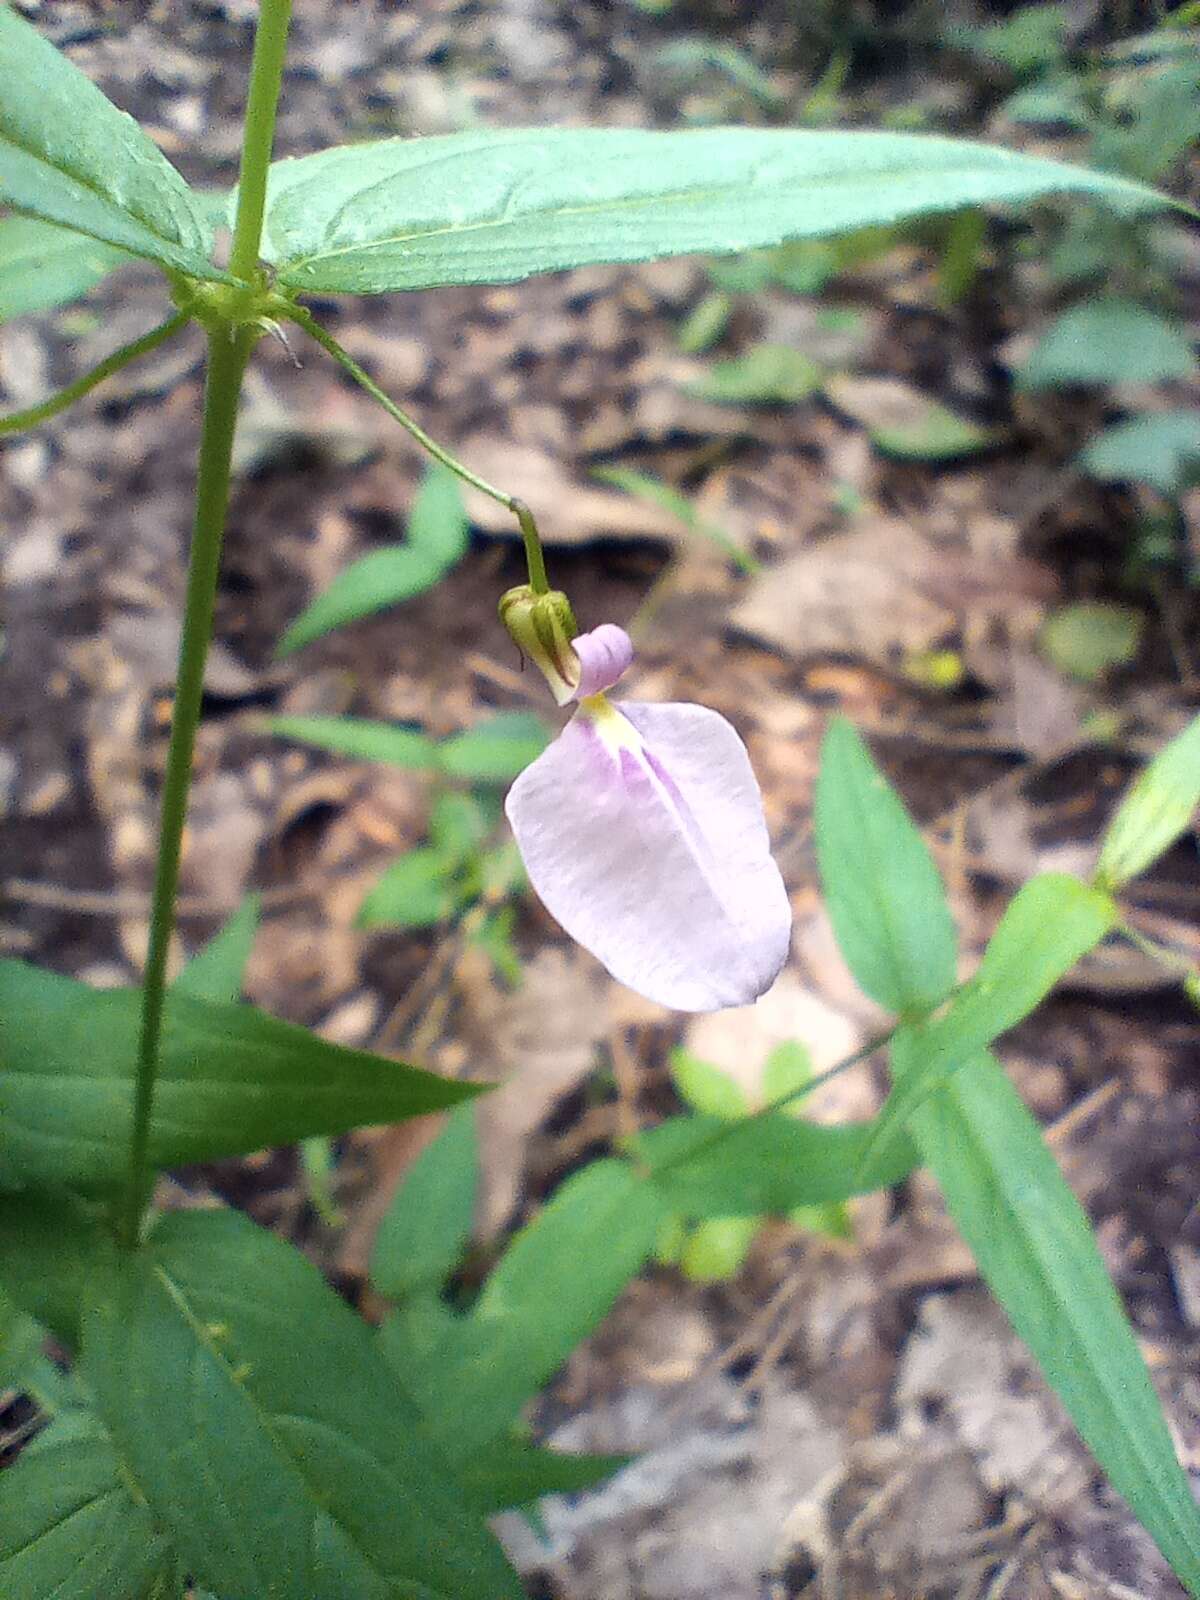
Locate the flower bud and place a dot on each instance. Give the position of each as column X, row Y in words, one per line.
column 542, row 627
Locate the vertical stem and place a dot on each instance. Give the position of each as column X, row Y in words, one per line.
column 228, row 353
column 266, row 75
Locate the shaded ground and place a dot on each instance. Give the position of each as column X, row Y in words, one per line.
column 842, row 1419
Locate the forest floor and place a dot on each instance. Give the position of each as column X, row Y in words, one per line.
column 843, row 1418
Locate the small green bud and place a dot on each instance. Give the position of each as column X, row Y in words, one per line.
column 542, row 627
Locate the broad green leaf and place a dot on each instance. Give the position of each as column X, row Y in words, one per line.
column 706, row 1088
column 1107, row 341
column 71, row 1526
column 552, row 1287
column 421, row 1238
column 21, row 1342
column 1161, row 449
column 416, row 891
column 1158, row 808
column 715, row 1249
column 492, row 207
column 1049, row 925
column 507, row 1473
column 68, row 156
column 377, row 581
column 1035, row 1250
column 361, row 740
column 769, row 1164
column 48, row 1243
column 43, row 266
column 494, row 751
column 217, row 971
column 232, row 1080
column 438, row 524
column 1088, row 639
column 767, row 374
column 201, row 1352
column 882, row 890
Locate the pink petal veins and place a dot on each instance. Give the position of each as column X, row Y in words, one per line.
column 642, row 831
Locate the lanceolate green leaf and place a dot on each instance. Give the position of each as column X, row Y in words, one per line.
column 1158, row 808
column 509, row 1473
column 43, row 266
column 48, row 1243
column 201, row 1351
column 1049, row 925
column 554, row 1284
column 371, row 584
column 428, row 1222
column 495, row 207
column 705, row 1167
column 361, row 740
column 496, row 750
column 67, row 155
column 883, row 892
column 232, row 1080
column 217, row 971
column 70, row 1524
column 1035, row 1249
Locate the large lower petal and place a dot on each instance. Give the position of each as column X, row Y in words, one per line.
column 642, row 831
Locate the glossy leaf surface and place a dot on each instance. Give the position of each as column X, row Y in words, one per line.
column 68, row 156
column 496, row 207
column 271, row 1483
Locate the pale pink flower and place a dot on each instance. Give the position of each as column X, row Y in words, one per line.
column 642, row 831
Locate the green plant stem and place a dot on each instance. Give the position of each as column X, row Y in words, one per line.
column 781, row 1102
column 228, row 353
column 258, row 138
column 534, row 557
column 19, row 421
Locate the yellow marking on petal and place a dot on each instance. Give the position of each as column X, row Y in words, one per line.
column 615, row 730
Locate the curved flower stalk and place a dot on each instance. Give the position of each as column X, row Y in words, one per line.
column 642, row 830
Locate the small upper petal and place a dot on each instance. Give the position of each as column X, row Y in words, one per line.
column 642, row 831
column 604, row 655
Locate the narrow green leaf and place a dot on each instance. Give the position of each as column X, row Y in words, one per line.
column 493, row 208
column 270, row 1483
column 217, row 971
column 1161, row 448
column 552, row 1287
column 361, row 740
column 381, row 579
column 1035, row 1250
column 882, row 890
column 1049, row 925
column 416, row 891
column 1158, row 808
column 48, row 1243
column 43, row 266
column 767, row 374
column 68, row 156
column 508, row 1473
column 1107, row 341
column 438, row 524
column 70, row 1525
column 769, row 1164
column 495, row 751
column 232, row 1080
column 421, row 1238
